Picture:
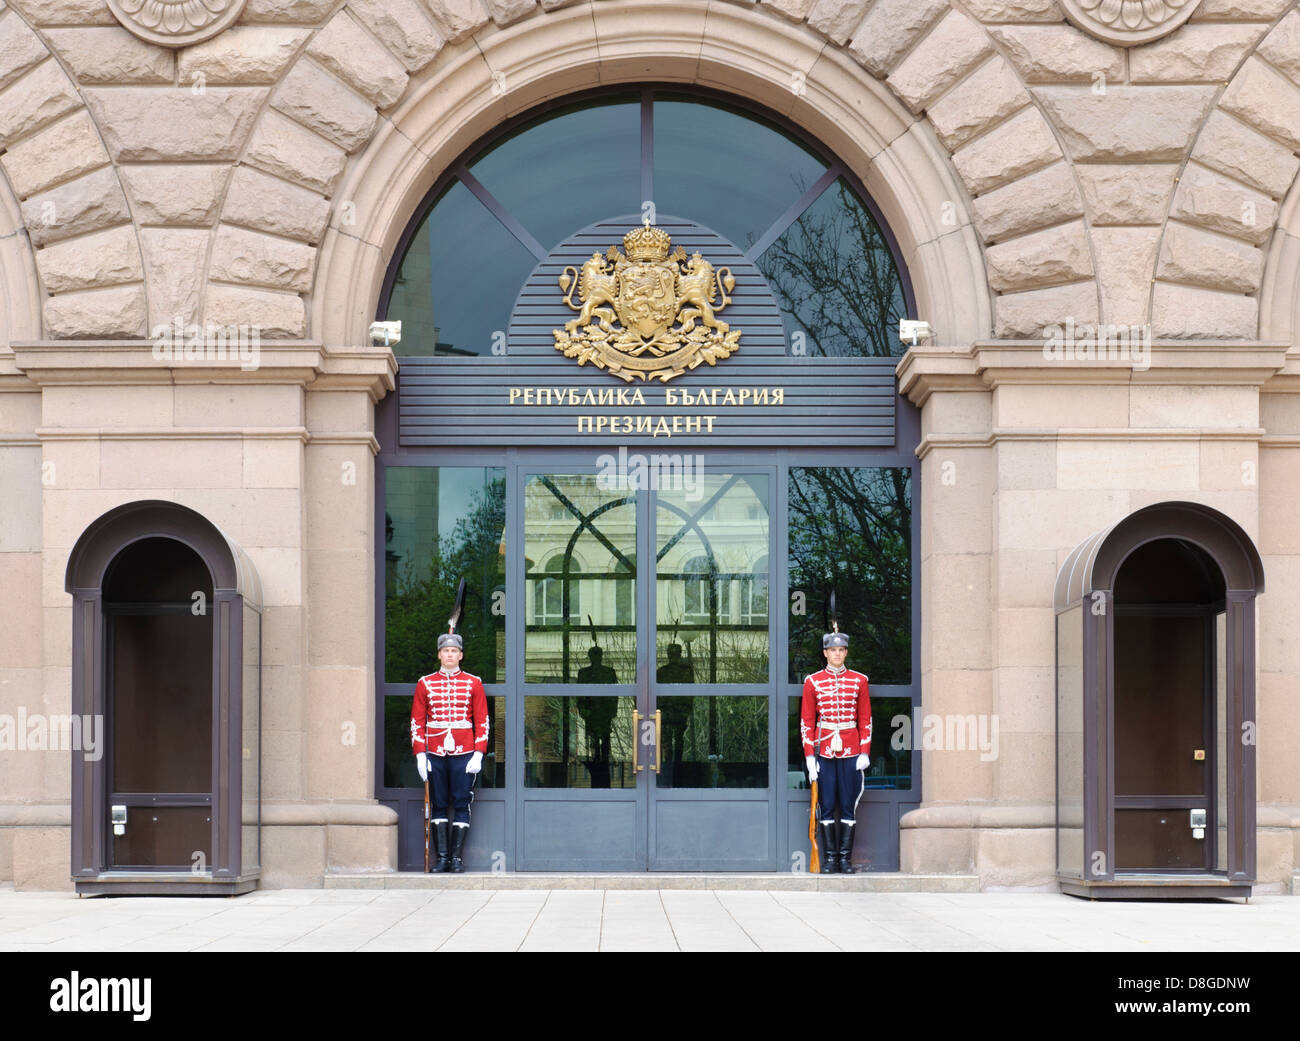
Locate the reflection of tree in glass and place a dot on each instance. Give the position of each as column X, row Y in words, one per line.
column 741, row 657
column 422, row 597
column 835, row 278
column 724, row 744
column 567, row 745
column 851, row 531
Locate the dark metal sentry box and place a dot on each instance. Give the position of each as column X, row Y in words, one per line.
column 1094, row 744
column 533, row 395
column 223, row 855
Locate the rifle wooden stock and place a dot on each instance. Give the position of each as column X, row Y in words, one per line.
column 427, row 825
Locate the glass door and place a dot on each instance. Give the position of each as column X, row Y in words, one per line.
column 643, row 644
column 1164, row 741
column 647, row 706
column 160, row 722
column 583, row 799
column 712, row 689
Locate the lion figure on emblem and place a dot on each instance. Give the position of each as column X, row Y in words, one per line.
column 596, row 286
column 698, row 286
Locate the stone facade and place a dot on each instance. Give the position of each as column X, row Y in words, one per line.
column 260, row 178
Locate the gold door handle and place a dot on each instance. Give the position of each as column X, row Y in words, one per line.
column 636, row 741
column 659, row 727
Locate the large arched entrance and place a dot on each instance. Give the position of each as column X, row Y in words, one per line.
column 644, row 561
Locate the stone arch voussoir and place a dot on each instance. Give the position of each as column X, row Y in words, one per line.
column 81, row 274
column 903, row 157
column 1226, row 269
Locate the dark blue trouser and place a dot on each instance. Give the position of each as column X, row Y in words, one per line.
column 449, row 784
column 839, row 786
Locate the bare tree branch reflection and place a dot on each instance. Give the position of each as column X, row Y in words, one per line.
column 835, row 278
column 851, row 531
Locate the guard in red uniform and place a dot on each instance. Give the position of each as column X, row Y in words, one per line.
column 835, row 725
column 449, row 734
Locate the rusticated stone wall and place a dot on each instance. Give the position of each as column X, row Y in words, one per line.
column 1127, row 184
column 1031, row 171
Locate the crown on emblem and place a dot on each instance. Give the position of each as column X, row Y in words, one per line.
column 647, row 244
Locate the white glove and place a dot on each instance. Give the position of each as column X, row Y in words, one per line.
column 475, row 763
column 422, row 764
column 812, row 767
column 863, row 762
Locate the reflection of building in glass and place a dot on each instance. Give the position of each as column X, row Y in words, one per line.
column 712, row 580
column 711, row 572
column 584, row 594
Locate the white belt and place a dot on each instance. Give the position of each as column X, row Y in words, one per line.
column 449, row 742
column 837, row 744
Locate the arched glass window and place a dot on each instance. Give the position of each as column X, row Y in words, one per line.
column 797, row 213
column 548, row 594
column 699, row 580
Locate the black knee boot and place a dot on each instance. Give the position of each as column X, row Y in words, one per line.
column 440, row 841
column 457, row 847
column 846, row 848
column 828, row 842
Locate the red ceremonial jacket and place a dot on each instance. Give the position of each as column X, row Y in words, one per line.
column 835, row 703
column 449, row 714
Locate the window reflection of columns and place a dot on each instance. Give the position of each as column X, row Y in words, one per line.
column 711, row 581
column 580, row 624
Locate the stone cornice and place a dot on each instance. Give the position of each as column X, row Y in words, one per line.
column 306, row 363
column 990, row 363
column 292, row 433
column 1131, row 435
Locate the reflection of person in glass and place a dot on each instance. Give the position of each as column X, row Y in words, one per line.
column 449, row 735
column 597, row 715
column 835, row 726
column 676, row 710
column 597, row 671
column 676, row 669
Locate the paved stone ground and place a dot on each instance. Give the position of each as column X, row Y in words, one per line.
column 624, row 920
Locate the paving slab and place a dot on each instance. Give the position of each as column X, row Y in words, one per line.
column 604, row 918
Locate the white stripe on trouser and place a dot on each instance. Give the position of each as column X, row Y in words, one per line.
column 863, row 775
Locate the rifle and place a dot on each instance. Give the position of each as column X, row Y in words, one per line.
column 814, row 860
column 427, row 826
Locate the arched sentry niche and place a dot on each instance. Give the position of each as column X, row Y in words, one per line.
column 1155, row 707
column 166, row 659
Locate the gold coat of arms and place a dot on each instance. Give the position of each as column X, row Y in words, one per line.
column 663, row 301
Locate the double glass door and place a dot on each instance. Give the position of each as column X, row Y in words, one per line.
column 648, row 708
column 643, row 630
